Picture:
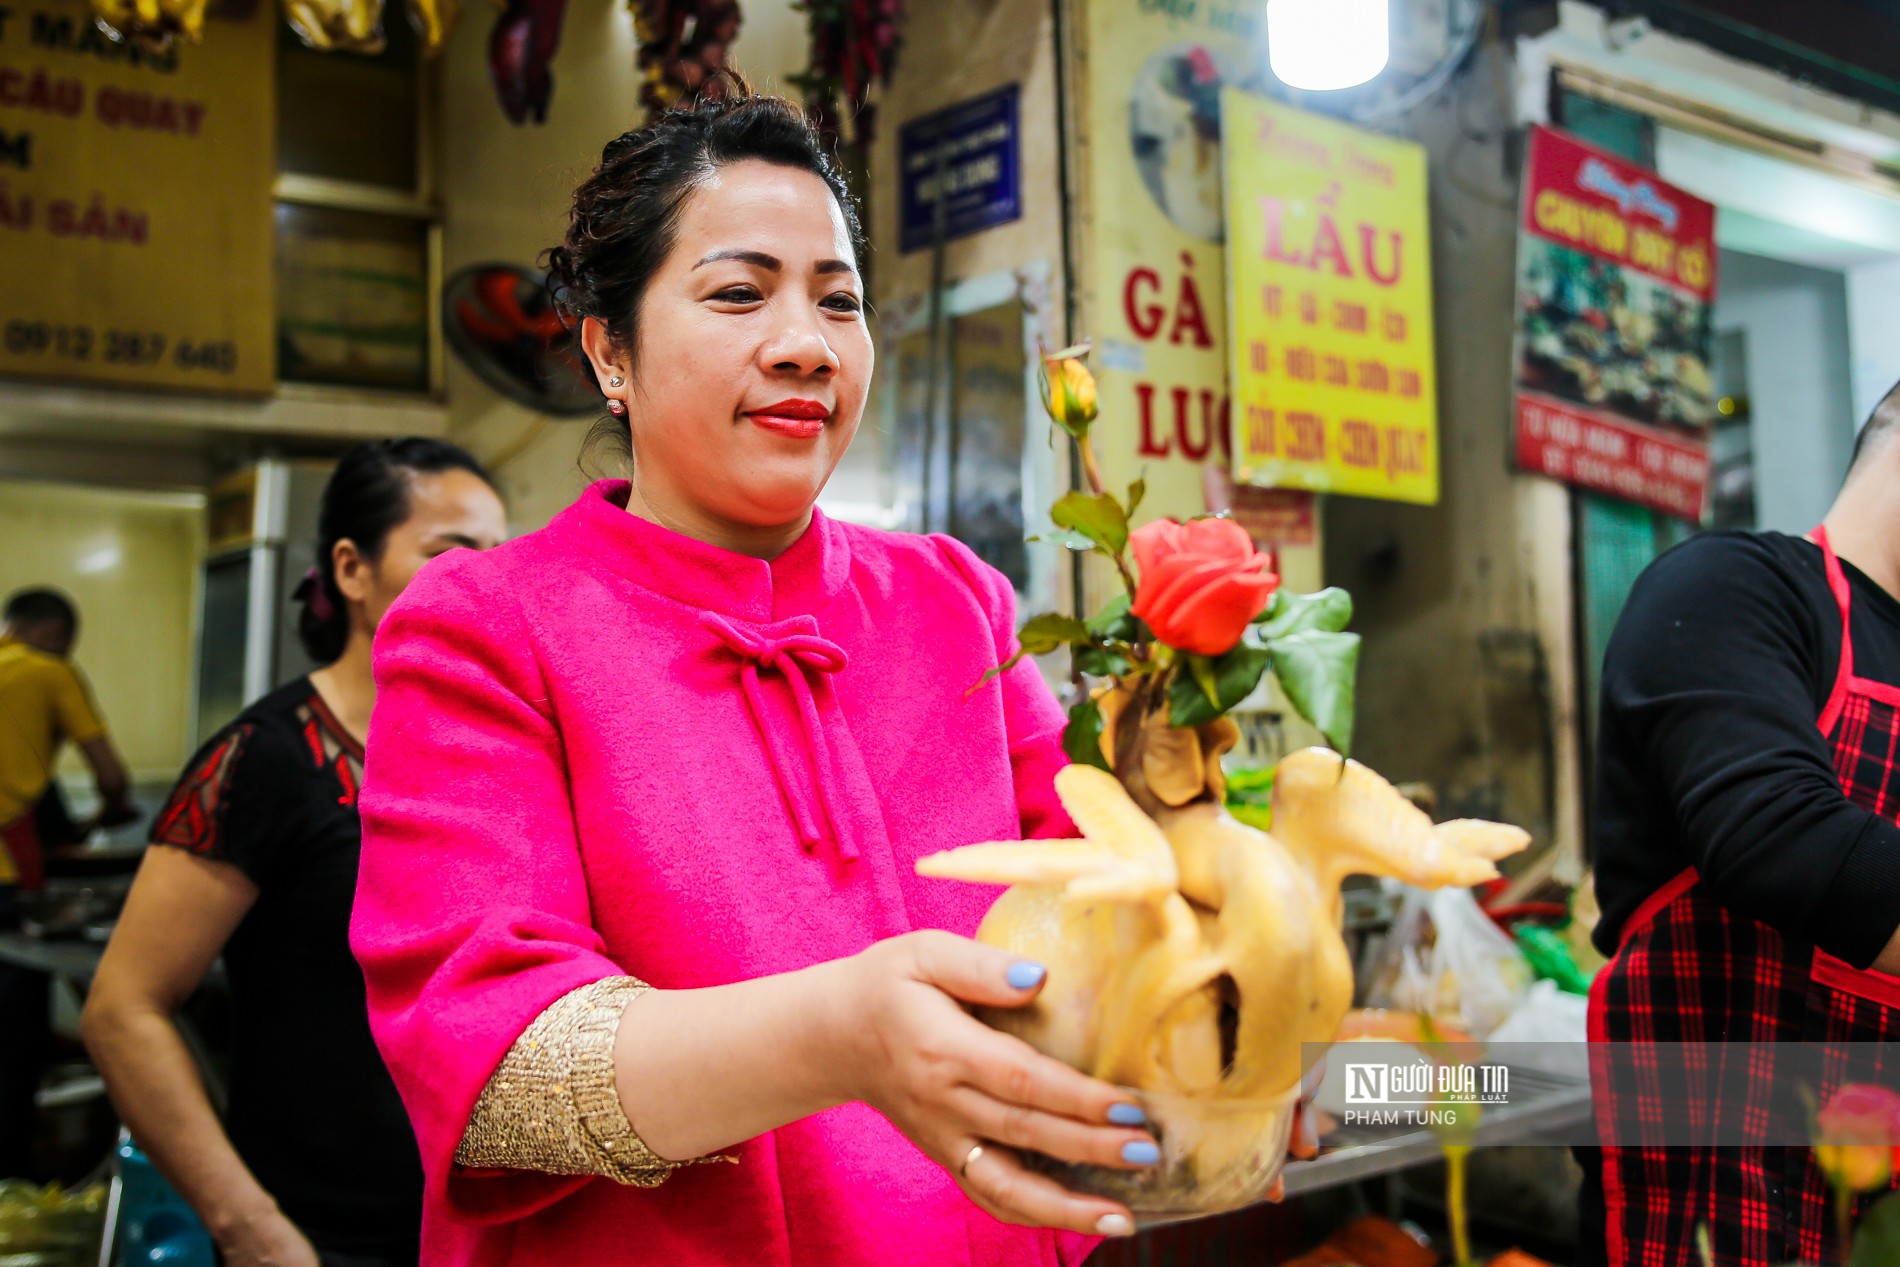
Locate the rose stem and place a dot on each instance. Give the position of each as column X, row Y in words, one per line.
column 1455, row 1206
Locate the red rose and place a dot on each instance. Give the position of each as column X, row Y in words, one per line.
column 1201, row 583
column 1859, row 1134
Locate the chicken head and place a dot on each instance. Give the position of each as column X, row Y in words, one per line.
column 1191, row 954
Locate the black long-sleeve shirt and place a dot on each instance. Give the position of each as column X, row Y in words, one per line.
column 1709, row 754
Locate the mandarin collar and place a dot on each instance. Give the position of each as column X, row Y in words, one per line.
column 799, row 582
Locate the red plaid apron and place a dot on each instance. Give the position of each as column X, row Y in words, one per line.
column 1688, row 971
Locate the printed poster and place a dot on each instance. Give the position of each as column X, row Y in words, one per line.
column 1329, row 306
column 1615, row 286
column 1154, row 273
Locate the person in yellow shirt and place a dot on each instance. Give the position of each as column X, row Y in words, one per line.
column 44, row 703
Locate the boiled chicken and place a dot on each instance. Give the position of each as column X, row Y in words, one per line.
column 1192, row 955
column 151, row 23
column 354, row 26
column 434, row 20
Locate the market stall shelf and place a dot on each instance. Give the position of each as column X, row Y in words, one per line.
column 1545, row 1109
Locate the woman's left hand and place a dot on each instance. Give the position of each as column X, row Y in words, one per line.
column 969, row 1095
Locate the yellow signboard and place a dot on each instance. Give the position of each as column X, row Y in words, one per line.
column 135, row 202
column 1330, row 306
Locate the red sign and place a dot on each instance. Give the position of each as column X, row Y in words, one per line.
column 1274, row 517
column 1611, row 456
column 1616, row 276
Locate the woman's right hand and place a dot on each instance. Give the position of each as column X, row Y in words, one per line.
column 953, row 1084
column 266, row 1239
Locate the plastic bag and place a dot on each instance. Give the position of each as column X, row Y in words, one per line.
column 1445, row 957
column 1548, row 1033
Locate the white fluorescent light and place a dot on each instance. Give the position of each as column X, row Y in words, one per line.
column 1323, row 45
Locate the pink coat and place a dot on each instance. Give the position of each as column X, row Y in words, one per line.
column 607, row 749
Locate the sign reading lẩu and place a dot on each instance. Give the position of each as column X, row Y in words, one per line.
column 1615, row 285
column 135, row 202
column 1329, row 305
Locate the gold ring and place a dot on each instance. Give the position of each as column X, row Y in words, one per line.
column 963, row 1171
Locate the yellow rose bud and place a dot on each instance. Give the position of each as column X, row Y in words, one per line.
column 1856, row 1167
column 1071, row 393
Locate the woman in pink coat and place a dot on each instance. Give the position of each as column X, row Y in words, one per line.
column 646, row 954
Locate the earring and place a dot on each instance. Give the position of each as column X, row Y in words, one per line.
column 615, row 381
column 618, row 408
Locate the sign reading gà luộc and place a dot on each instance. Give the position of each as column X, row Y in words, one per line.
column 963, row 163
column 1153, row 243
column 1615, row 287
column 135, row 203
column 1329, row 306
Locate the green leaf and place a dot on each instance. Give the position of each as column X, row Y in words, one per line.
column 1039, row 637
column 1099, row 661
column 1318, row 671
column 1328, row 610
column 1082, row 737
column 1100, row 518
column 1235, row 675
column 1188, row 705
column 1067, row 540
column 1877, row 1239
column 1201, row 669
column 1136, row 491
column 1113, row 621
column 1047, row 632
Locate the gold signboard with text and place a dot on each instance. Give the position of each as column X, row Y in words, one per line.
column 135, row 202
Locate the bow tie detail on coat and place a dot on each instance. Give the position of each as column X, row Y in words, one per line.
column 794, row 657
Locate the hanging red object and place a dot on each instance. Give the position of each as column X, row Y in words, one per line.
column 854, row 46
column 682, row 44
column 520, row 55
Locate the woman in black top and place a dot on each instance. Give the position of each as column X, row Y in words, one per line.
column 1709, row 755
column 1748, row 866
column 314, row 1162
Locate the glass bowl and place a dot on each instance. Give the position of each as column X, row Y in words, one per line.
column 1216, row 1155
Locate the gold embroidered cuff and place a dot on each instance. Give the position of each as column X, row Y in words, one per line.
column 552, row 1106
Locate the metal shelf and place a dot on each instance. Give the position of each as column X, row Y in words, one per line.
column 1553, row 1106
column 74, row 960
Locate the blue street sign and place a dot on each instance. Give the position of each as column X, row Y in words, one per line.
column 970, row 154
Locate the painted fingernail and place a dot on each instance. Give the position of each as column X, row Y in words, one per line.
column 1024, row 975
column 1140, row 1152
column 1126, row 1115
column 1114, row 1225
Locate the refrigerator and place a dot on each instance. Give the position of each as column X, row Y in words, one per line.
column 262, row 538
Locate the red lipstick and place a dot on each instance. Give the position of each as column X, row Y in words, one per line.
column 797, row 419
